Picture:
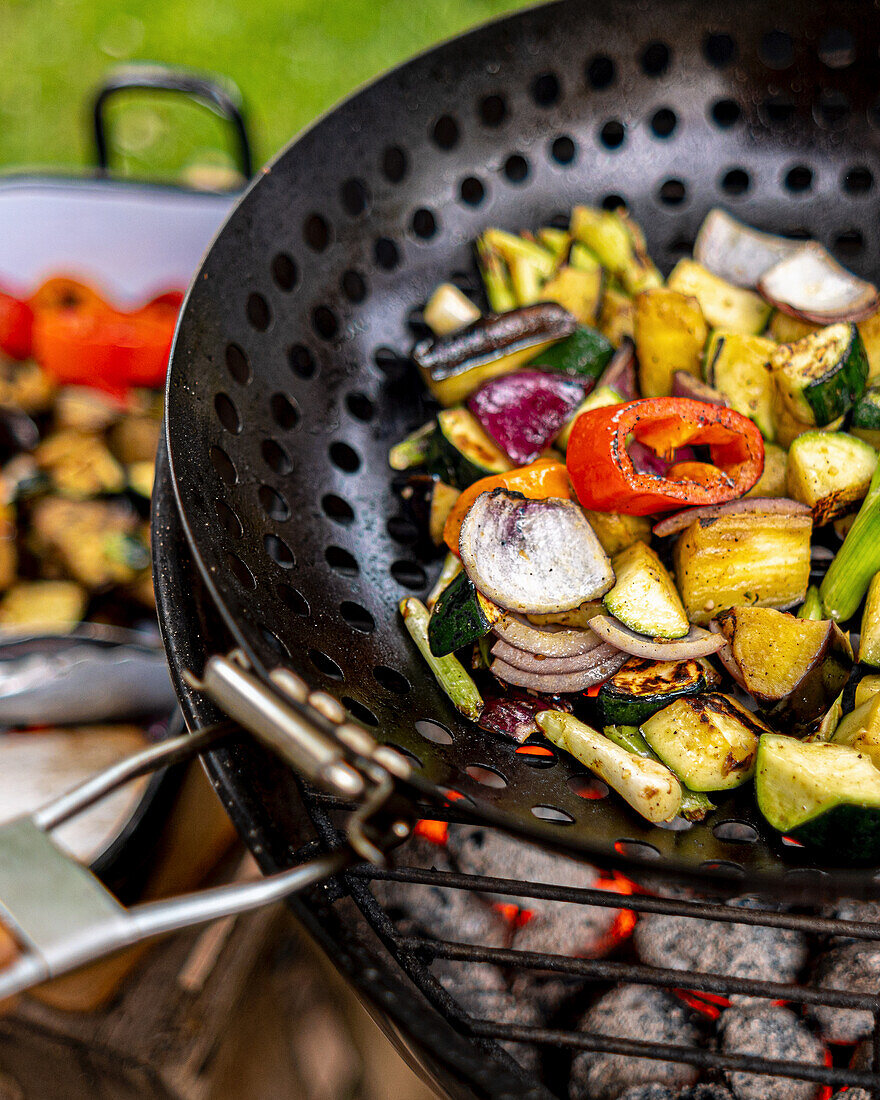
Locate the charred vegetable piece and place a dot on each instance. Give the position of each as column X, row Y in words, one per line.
column 709, row 741
column 812, row 607
column 758, row 559
column 77, row 536
column 695, row 805
column 449, row 671
column 669, row 332
column 724, row 305
column 620, row 374
column 739, row 367
column 869, row 643
column 616, row 530
column 687, row 385
column 865, row 423
column 771, row 483
column 583, row 355
column 794, row 668
column 461, row 615
column 811, row 285
column 449, row 309
column 696, row 643
column 860, row 730
column 820, row 377
column 465, row 450
column 844, row 585
column 641, row 687
column 48, row 606
column 737, row 252
column 616, row 317
column 820, row 794
column 513, row 714
column 80, row 465
column 644, row 597
column 496, row 278
column 830, row 472
column 577, row 290
column 548, row 640
column 598, row 665
column 578, row 616
column 598, row 399
column 453, row 366
column 533, row 556
column 618, row 244
column 523, row 412
column 649, row 787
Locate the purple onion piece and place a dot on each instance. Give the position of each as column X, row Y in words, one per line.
column 780, row 506
column 696, row 643
column 547, row 641
column 513, row 715
column 620, row 374
column 562, row 683
column 546, row 666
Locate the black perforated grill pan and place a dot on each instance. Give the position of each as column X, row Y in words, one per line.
column 289, row 377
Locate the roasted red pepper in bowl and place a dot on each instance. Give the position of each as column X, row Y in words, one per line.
column 606, row 480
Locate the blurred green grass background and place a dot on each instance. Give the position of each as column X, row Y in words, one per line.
column 292, row 59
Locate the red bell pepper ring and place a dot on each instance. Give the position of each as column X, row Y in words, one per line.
column 605, row 479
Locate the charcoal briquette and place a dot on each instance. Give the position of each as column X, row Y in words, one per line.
column 774, row 1032
column 854, row 967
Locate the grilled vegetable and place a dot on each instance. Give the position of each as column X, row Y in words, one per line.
column 583, row 355
column 598, row 399
column 687, row 385
column 418, row 449
column 761, row 559
column 617, row 242
column 830, row 472
column 650, row 788
column 724, row 305
column 820, row 794
column 860, row 730
column 605, row 479
column 522, row 412
column 812, row 286
column 739, row 367
column 695, row 805
column 79, row 465
column 448, row 310
column 644, row 597
column 496, row 278
column 669, row 332
column 737, row 252
column 513, row 714
column 547, row 640
column 429, row 501
column 533, row 556
column 709, row 741
column 48, row 606
column 794, row 668
column 450, row 570
column 865, row 423
column 820, row 377
column 620, row 374
column 640, row 688
column 578, row 616
column 542, row 665
column 80, row 537
column 542, row 479
column 449, row 671
column 787, row 330
column 465, row 451
column 556, row 241
column 869, row 330
column 846, row 582
column 461, row 615
column 616, row 531
column 812, row 607
column 577, row 290
column 599, row 664
column 680, row 521
column 512, row 248
column 616, row 317
column 771, row 483
column 696, row 643
column 453, row 366
column 869, row 642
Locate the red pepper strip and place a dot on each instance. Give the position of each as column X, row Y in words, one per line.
column 16, row 323
column 605, row 479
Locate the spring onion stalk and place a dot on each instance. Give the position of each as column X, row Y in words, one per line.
column 448, row 310
column 844, row 586
column 496, row 279
column 451, row 569
column 695, row 805
column 415, row 450
column 811, row 608
column 511, row 247
column 449, row 671
column 649, row 787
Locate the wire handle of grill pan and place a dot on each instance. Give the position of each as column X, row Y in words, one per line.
column 63, row 917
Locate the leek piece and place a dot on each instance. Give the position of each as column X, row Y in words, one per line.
column 448, row 310
column 811, row 608
column 695, row 805
column 451, row 569
column 449, row 671
column 869, row 643
column 496, row 279
column 844, row 585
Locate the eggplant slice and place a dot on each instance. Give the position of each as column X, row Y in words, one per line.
column 533, row 556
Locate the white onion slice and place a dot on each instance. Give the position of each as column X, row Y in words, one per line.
column 813, row 286
column 736, row 252
column 696, row 643
column 547, row 641
column 545, row 666
column 560, row 683
column 780, row 506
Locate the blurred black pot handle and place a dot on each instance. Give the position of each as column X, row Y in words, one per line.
column 223, row 99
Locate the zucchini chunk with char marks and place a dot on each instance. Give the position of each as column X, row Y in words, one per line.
column 860, row 730
column 724, row 305
column 669, row 332
column 865, row 423
column 759, row 558
column 461, row 616
column 822, row 376
column 830, row 472
column 794, row 668
column 532, row 556
column 643, row 687
column 821, row 794
column 738, row 366
column 644, row 597
column 709, row 741
column 455, row 447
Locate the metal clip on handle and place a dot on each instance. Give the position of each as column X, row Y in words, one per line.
column 63, row 917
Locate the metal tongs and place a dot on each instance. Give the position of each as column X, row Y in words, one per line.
column 63, row 917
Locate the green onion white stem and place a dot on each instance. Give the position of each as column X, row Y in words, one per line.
column 449, row 671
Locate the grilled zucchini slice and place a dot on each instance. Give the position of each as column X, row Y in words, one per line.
column 695, row 805
column 642, row 687
column 709, row 741
column 724, row 305
column 830, row 472
column 821, row 794
column 739, row 366
column 466, row 450
column 669, row 332
column 860, row 730
column 644, row 597
column 865, row 423
column 583, row 355
column 820, row 377
column 461, row 615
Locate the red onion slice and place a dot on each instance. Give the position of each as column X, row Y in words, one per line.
column 620, row 374
column 696, row 643
column 726, row 657
column 546, row 666
column 513, row 714
column 560, row 683
column 736, row 252
column 547, row 641
column 780, row 506
column 813, row 286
